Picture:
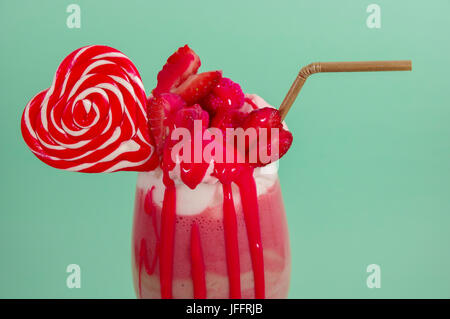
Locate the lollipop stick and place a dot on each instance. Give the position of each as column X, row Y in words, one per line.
column 320, row 67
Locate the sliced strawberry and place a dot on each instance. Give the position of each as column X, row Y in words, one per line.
column 186, row 117
column 193, row 167
column 228, row 118
column 197, row 86
column 267, row 118
column 160, row 112
column 264, row 117
column 226, row 94
column 180, row 65
column 283, row 141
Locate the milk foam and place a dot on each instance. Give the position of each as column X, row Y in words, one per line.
column 194, row 201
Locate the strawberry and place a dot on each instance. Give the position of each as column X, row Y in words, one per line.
column 267, row 118
column 226, row 94
column 160, row 112
column 197, row 86
column 186, row 116
column 180, row 65
column 228, row 118
column 283, row 141
column 264, row 117
column 193, row 167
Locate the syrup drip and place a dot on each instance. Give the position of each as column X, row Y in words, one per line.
column 149, row 209
column 142, row 260
column 197, row 264
column 168, row 216
column 231, row 241
column 247, row 189
column 253, row 105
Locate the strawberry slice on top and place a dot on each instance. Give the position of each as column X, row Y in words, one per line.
column 227, row 94
column 228, row 118
column 193, row 167
column 178, row 86
column 183, row 96
column 179, row 66
column 161, row 110
column 274, row 146
column 197, row 86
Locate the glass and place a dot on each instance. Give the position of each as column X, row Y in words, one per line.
column 208, row 215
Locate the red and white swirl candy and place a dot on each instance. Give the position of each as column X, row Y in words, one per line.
column 92, row 119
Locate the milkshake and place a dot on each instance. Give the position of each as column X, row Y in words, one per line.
column 203, row 227
column 238, row 231
column 205, row 264
column 209, row 219
column 210, row 228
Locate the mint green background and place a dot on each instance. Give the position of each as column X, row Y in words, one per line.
column 366, row 181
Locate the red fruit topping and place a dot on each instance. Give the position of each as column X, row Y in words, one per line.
column 226, row 94
column 197, row 86
column 160, row 112
column 228, row 118
column 193, row 168
column 180, row 65
column 268, row 118
column 186, row 116
column 284, row 141
column 265, row 117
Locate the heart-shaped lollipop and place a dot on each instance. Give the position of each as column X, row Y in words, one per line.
column 92, row 119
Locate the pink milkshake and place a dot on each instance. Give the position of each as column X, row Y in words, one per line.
column 200, row 221
column 205, row 225
column 210, row 226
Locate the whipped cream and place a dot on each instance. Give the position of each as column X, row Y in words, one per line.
column 206, row 194
column 259, row 101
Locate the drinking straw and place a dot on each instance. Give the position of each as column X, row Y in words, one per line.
column 322, row 67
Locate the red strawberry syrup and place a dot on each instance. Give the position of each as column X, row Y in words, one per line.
column 198, row 266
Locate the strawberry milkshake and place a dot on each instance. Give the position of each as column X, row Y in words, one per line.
column 209, row 220
column 209, row 259
column 210, row 228
column 204, row 226
column 211, row 250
